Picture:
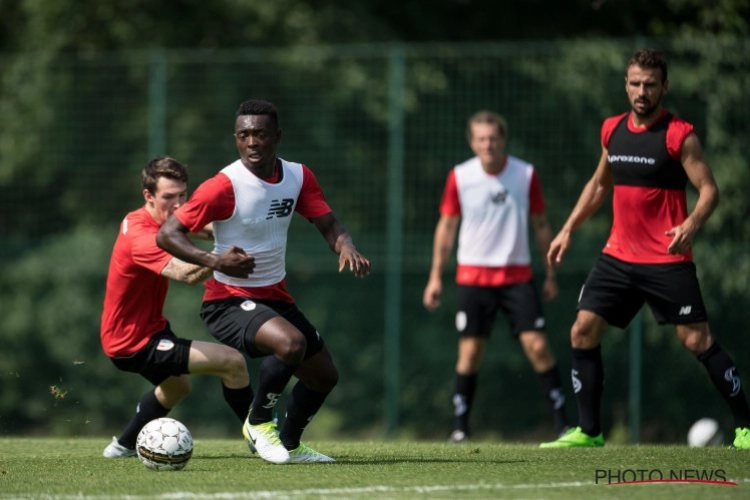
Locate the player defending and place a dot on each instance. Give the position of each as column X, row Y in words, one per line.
column 648, row 157
column 496, row 197
column 136, row 336
column 246, row 304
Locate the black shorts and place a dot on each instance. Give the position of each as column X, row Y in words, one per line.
column 478, row 306
column 235, row 321
column 616, row 291
column 165, row 355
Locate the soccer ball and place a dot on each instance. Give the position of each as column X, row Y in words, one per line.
column 705, row 432
column 164, row 444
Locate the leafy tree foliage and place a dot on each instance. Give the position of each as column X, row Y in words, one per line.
column 75, row 87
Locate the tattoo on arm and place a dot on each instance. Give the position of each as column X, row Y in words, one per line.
column 185, row 272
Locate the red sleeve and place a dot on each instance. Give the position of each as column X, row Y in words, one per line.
column 213, row 200
column 536, row 196
column 311, row 202
column 144, row 250
column 450, row 205
column 608, row 127
column 677, row 131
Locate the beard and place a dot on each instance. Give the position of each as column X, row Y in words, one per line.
column 648, row 107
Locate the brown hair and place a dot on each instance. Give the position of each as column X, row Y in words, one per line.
column 490, row 117
column 649, row 59
column 164, row 166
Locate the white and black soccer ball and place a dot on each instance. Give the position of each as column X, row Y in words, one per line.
column 164, row 444
column 705, row 432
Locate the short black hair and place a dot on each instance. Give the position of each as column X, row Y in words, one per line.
column 259, row 107
column 649, row 59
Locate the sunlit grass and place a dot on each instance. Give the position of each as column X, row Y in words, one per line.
column 224, row 469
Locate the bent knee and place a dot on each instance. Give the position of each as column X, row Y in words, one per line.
column 292, row 350
column 331, row 379
column 696, row 341
column 236, row 368
column 536, row 345
column 326, row 380
column 586, row 332
column 173, row 390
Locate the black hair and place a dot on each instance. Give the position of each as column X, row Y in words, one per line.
column 259, row 107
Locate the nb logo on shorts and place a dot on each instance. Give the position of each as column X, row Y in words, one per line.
column 280, row 208
column 685, row 310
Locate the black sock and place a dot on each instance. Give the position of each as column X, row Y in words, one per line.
column 588, row 384
column 303, row 404
column 273, row 378
column 552, row 389
column 147, row 410
column 239, row 400
column 466, row 386
column 723, row 373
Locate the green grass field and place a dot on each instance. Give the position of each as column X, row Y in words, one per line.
column 224, row 469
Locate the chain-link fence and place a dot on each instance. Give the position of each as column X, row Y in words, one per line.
column 380, row 126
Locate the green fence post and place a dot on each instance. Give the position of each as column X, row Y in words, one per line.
column 157, row 104
column 394, row 235
column 634, row 390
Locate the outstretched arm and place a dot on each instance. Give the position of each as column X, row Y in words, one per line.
column 702, row 178
column 340, row 242
column 591, row 198
column 173, row 237
column 445, row 236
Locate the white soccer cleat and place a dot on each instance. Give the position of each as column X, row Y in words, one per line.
column 116, row 450
column 265, row 438
column 304, row 453
column 458, row 436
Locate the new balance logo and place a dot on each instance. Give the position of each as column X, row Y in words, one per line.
column 499, row 197
column 685, row 310
column 280, row 208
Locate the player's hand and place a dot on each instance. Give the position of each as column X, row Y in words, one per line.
column 357, row 262
column 683, row 238
column 431, row 296
column 236, row 263
column 558, row 247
